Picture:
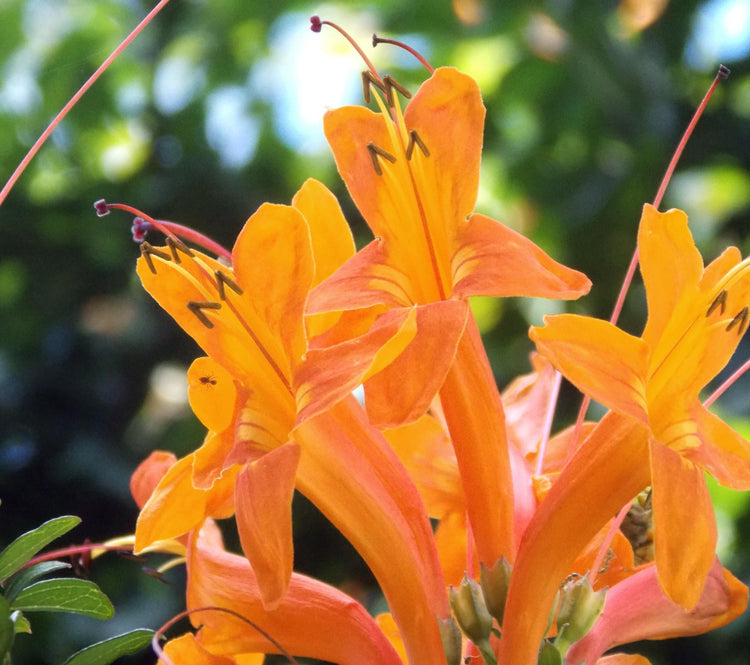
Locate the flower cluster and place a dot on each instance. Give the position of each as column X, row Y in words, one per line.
column 487, row 536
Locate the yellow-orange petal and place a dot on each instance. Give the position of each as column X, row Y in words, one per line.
column 329, row 374
column 272, row 260
column 491, row 259
column 670, row 263
column 684, row 525
column 210, row 460
column 390, row 630
column 403, row 389
column 186, row 649
column 623, row 659
column 212, row 393
column 330, row 235
column 263, row 500
column 313, row 620
column 599, row 358
column 724, row 452
column 148, row 474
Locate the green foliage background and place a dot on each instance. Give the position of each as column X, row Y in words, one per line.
column 581, row 123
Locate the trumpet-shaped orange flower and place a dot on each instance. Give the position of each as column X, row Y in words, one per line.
column 414, row 176
column 249, row 319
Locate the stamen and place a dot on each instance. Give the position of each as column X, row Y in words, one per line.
column 719, row 301
column 390, row 85
column 381, row 40
column 176, row 244
column 316, row 25
column 740, row 320
column 140, row 229
column 101, row 207
column 368, row 79
column 222, row 280
column 147, row 250
column 197, row 308
column 416, row 139
column 376, row 152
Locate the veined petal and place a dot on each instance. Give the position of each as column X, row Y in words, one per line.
column 403, row 389
column 637, row 609
column 331, row 237
column 670, row 263
column 212, row 393
column 263, row 499
column 313, row 620
column 148, row 474
column 599, row 358
column 367, row 279
column 491, row 259
column 724, row 453
column 330, row 374
column 684, row 525
column 277, row 237
column 606, row 472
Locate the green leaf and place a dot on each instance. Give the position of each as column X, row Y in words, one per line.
column 65, row 595
column 20, row 622
column 107, row 651
column 6, row 628
column 25, row 577
column 27, row 545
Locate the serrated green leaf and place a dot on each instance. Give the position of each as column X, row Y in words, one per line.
column 107, row 651
column 65, row 595
column 25, row 577
column 27, row 545
column 6, row 628
column 20, row 622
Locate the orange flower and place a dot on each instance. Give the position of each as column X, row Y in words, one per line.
column 249, row 319
column 414, row 177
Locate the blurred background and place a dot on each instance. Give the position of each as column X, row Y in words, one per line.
column 217, row 108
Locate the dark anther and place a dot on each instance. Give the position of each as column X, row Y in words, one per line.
column 740, row 320
column 416, row 139
column 155, row 574
column 197, row 308
column 175, row 246
column 719, row 301
column 101, row 208
column 222, row 281
column 723, row 72
column 390, row 85
column 375, row 153
column 316, row 25
column 368, row 79
column 147, row 250
column 126, row 554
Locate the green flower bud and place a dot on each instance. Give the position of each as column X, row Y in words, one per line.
column 579, row 609
column 495, row 582
column 470, row 610
column 451, row 637
column 549, row 655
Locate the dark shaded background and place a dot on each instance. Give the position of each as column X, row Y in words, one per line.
column 583, row 115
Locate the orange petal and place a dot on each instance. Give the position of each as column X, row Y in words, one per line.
column 606, row 472
column 210, row 460
column 332, row 241
column 330, row 374
column 186, row 649
column 277, row 237
column 148, row 474
column 263, row 498
column 450, row 536
column 313, row 620
column 599, row 358
column 637, row 609
column 670, row 264
column 402, row 391
column 724, row 453
column 684, row 525
column 624, row 659
column 212, row 393
column 491, row 259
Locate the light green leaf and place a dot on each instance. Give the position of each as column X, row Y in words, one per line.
column 25, row 577
column 27, row 545
column 65, row 595
column 107, row 651
column 6, row 628
column 20, row 622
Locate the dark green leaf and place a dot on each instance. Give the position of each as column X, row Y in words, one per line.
column 65, row 595
column 6, row 628
column 25, row 577
column 105, row 652
column 27, row 545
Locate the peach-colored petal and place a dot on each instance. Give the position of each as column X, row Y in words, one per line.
column 624, row 659
column 684, row 525
column 212, row 393
column 599, row 358
column 148, row 474
column 402, row 390
column 263, row 499
column 491, row 259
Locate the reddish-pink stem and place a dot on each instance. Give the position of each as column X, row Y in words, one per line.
column 382, row 40
column 597, row 565
column 730, row 381
column 74, row 100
